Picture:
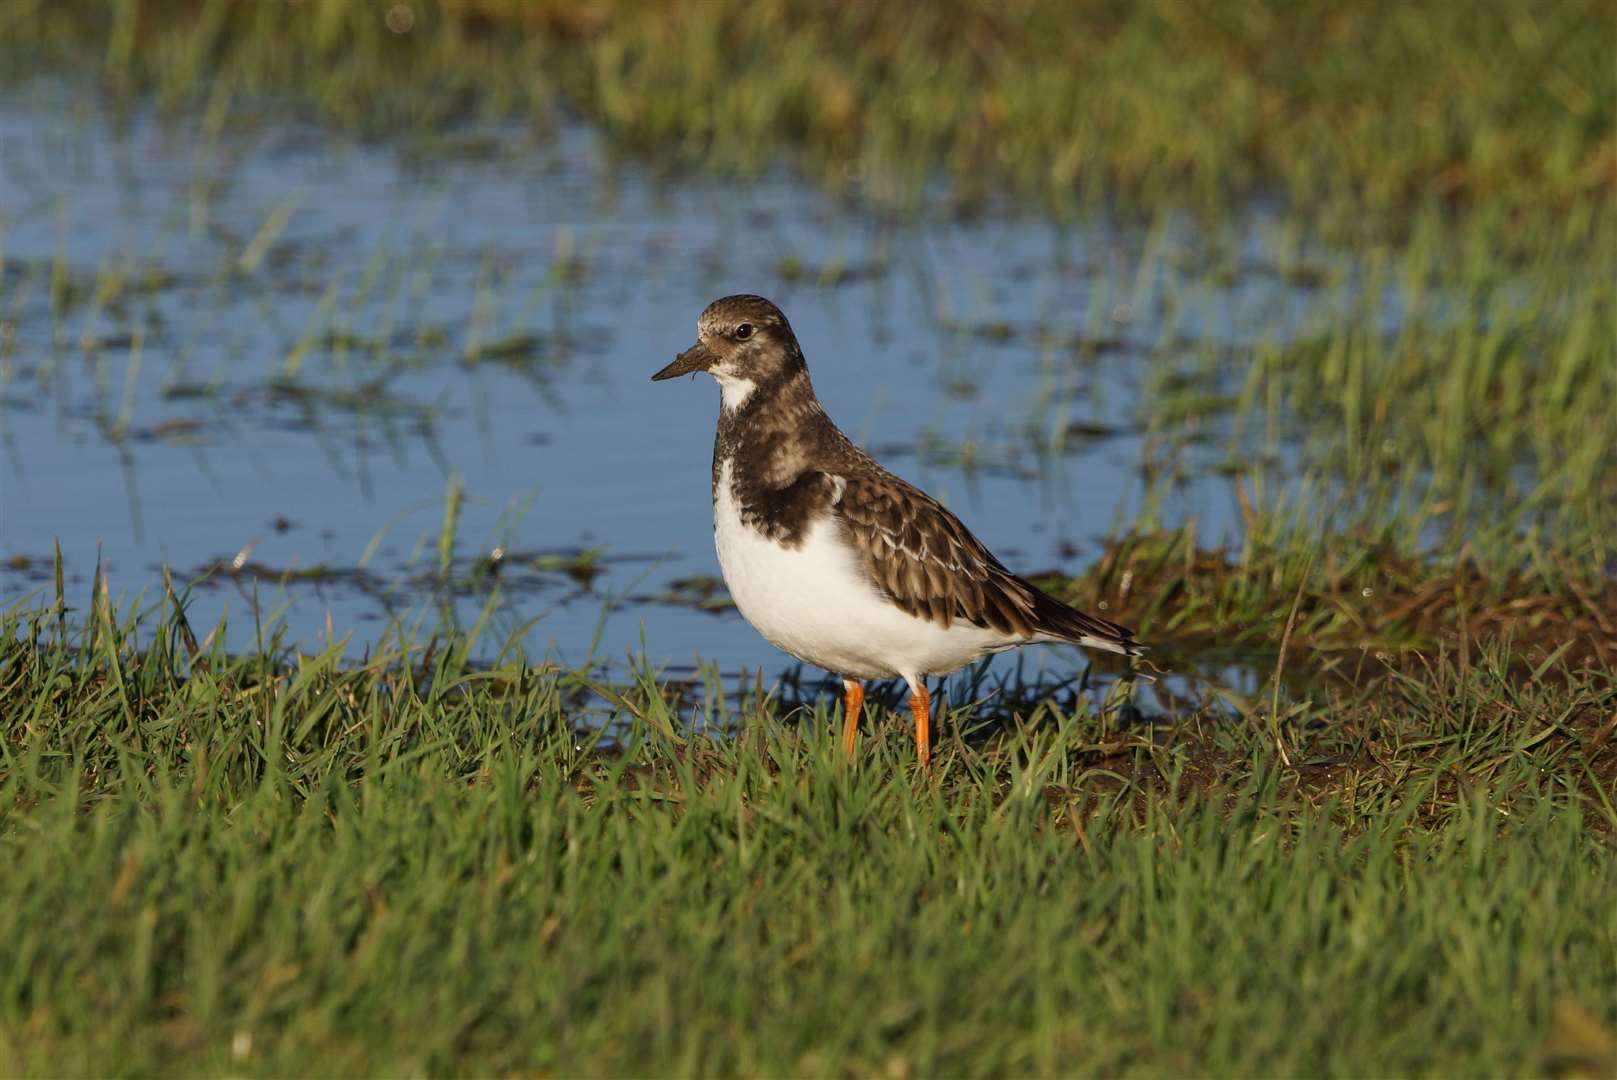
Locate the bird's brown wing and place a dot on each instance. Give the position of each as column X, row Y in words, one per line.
column 928, row 563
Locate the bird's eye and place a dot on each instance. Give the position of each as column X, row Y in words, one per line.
column 744, row 331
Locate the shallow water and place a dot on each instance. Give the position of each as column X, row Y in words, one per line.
column 281, row 348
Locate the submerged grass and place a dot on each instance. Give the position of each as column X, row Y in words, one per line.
column 287, row 863
column 1369, row 104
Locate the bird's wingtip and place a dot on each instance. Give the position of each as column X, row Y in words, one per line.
column 1125, row 646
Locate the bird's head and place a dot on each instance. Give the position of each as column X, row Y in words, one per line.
column 745, row 343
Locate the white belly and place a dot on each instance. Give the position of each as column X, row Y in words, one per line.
column 815, row 602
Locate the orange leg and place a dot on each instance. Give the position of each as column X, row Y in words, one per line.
column 921, row 706
column 851, row 705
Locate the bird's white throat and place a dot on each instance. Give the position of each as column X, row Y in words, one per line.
column 733, row 390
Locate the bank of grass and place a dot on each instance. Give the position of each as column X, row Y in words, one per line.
column 273, row 863
column 1341, row 594
column 1371, row 105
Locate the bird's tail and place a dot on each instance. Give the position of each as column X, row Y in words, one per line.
column 1063, row 623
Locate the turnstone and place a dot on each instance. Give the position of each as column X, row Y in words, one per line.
column 834, row 559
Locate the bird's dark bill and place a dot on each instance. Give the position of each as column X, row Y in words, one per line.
column 694, row 359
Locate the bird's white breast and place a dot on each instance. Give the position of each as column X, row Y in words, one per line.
column 816, row 602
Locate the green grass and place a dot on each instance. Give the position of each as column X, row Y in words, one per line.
column 1371, row 105
column 279, row 864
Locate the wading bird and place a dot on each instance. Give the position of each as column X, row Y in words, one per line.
column 833, row 558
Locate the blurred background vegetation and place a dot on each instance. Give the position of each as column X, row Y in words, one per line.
column 1368, row 105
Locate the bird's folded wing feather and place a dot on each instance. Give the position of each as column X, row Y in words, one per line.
column 927, row 562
